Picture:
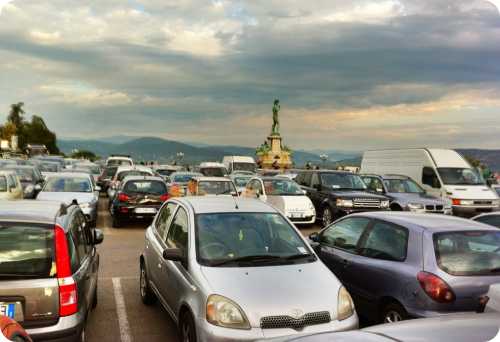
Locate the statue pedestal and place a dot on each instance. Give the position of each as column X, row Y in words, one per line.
column 274, row 157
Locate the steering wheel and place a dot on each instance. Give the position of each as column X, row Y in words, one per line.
column 215, row 250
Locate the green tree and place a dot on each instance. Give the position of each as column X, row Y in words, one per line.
column 36, row 132
column 84, row 154
column 16, row 114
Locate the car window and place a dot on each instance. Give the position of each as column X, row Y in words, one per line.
column 314, row 180
column 80, row 238
column 386, row 241
column 3, row 183
column 493, row 220
column 345, row 234
column 164, row 218
column 430, row 178
column 373, row 184
column 178, row 232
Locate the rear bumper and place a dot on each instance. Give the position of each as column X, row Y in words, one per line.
column 67, row 329
column 119, row 212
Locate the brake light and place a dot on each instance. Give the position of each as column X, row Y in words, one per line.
column 435, row 287
column 164, row 197
column 455, row 201
column 123, row 197
column 68, row 294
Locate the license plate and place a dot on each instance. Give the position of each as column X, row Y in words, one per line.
column 145, row 210
column 7, row 309
column 297, row 215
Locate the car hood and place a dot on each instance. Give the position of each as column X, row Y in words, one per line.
column 290, row 203
column 357, row 194
column 419, row 198
column 477, row 192
column 276, row 290
column 67, row 197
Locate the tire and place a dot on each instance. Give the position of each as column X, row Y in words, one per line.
column 187, row 330
column 396, row 207
column 117, row 222
column 392, row 313
column 327, row 216
column 147, row 295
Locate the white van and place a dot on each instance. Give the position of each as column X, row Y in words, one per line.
column 239, row 163
column 441, row 172
column 118, row 160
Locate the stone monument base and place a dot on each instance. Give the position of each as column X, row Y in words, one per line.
column 273, row 156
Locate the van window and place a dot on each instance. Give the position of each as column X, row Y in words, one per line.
column 430, row 178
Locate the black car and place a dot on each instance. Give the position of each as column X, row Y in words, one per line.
column 31, row 179
column 139, row 197
column 338, row 193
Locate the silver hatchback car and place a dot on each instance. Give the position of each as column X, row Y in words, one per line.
column 231, row 269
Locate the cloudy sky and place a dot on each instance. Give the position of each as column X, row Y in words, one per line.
column 351, row 75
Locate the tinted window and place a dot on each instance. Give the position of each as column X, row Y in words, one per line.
column 3, row 183
column 345, row 234
column 386, row 241
column 468, row 253
column 80, row 238
column 26, row 251
column 403, row 186
column 493, row 220
column 429, row 178
column 342, row 181
column 213, row 171
column 163, row 218
column 145, row 187
column 373, row 184
column 178, row 233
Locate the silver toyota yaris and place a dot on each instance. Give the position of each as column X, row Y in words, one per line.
column 232, row 269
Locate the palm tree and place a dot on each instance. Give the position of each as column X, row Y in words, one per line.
column 16, row 114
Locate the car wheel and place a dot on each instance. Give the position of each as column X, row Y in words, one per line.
column 393, row 313
column 147, row 296
column 187, row 328
column 327, row 216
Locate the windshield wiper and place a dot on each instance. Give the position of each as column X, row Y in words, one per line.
column 298, row 256
column 248, row 258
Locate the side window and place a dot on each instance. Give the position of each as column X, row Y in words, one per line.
column 164, row 218
column 314, row 180
column 430, row 178
column 493, row 220
column 178, row 232
column 345, row 234
column 386, row 241
column 11, row 181
column 307, row 179
column 73, row 253
column 80, row 237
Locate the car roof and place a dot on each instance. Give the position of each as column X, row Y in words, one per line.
column 273, row 178
column 429, row 222
column 135, row 178
column 122, row 168
column 30, row 211
column 212, row 179
column 69, row 175
column 211, row 164
column 186, row 173
column 224, row 204
column 386, row 176
column 494, row 213
column 17, row 166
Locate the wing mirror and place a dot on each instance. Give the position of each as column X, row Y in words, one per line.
column 98, row 236
column 173, row 254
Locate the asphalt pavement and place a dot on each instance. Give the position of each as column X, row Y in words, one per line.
column 120, row 314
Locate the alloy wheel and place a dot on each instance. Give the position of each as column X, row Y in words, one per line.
column 392, row 317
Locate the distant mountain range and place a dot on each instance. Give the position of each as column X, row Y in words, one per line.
column 149, row 148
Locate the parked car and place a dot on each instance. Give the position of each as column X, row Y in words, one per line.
column 240, row 181
column 337, row 193
column 218, row 267
column 119, row 160
column 493, row 219
column 399, row 265
column 11, row 330
column 138, row 197
column 179, row 181
column 49, row 268
column 124, row 171
column 166, row 170
column 285, row 195
column 457, row 328
column 67, row 187
column 10, row 186
column 210, row 169
column 30, row 177
column 218, row 186
column 442, row 173
column 406, row 195
column 48, row 167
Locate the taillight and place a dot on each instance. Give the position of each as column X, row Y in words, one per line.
column 435, row 287
column 123, row 197
column 68, row 294
column 164, row 197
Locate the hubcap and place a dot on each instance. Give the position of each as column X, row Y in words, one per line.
column 327, row 217
column 392, row 317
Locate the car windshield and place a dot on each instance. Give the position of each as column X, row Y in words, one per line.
column 93, row 169
column 119, row 162
column 184, row 178
column 460, row 176
column 3, row 184
column 26, row 251
column 25, row 175
column 164, row 172
column 48, row 167
column 110, row 171
column 213, row 171
column 403, row 186
column 124, row 174
column 226, row 238
column 346, row 181
column 67, row 184
column 282, row 187
column 215, row 188
column 244, row 167
column 468, row 253
column 145, row 187
column 241, row 181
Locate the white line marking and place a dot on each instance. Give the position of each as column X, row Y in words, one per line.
column 121, row 311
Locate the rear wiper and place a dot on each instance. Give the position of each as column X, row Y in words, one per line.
column 260, row 257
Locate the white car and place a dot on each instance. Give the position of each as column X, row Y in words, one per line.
column 10, row 186
column 285, row 195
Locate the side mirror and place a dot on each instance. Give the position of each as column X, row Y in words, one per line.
column 38, row 187
column 173, row 254
column 97, row 188
column 314, row 237
column 98, row 236
column 304, row 192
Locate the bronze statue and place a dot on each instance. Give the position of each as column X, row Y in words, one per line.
column 276, row 121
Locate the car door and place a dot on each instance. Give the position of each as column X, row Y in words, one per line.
column 338, row 247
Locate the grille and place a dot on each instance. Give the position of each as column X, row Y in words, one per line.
column 366, row 203
column 483, row 203
column 299, row 219
column 280, row 322
column 430, row 208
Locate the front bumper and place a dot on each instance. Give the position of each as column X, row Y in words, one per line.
column 211, row 333
column 470, row 211
column 67, row 329
column 310, row 219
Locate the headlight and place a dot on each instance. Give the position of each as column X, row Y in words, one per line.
column 85, row 205
column 415, row 206
column 344, row 203
column 466, row 202
column 223, row 312
column 311, row 207
column 345, row 305
column 384, row 204
column 29, row 188
column 495, row 202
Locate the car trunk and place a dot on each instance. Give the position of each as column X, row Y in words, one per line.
column 144, row 199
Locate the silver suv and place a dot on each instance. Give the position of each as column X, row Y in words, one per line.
column 48, row 270
column 230, row 269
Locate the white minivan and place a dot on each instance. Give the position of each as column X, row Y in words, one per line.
column 239, row 163
column 441, row 172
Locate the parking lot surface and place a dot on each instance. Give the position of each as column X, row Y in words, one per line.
column 120, row 314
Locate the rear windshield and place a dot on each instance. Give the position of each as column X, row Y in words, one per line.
column 145, row 187
column 215, row 188
column 468, row 252
column 67, row 184
column 25, row 175
column 213, row 171
column 46, row 167
column 124, row 174
column 3, row 184
column 164, row 172
column 110, row 171
column 26, row 251
column 119, row 162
